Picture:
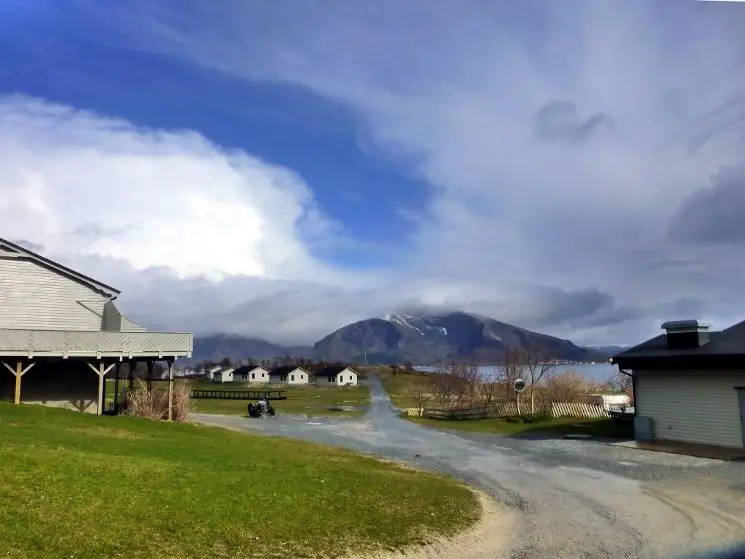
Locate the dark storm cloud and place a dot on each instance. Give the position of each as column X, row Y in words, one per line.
column 714, row 214
column 559, row 121
column 582, row 308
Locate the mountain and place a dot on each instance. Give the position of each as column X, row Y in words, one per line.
column 239, row 348
column 398, row 338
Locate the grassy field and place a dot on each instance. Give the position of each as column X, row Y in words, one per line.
column 311, row 399
column 400, row 384
column 550, row 426
column 81, row 486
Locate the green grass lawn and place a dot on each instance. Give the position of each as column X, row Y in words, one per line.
column 399, row 385
column 75, row 485
column 559, row 426
column 311, row 399
column 300, row 400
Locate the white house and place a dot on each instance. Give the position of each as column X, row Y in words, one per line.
column 211, row 372
column 337, row 375
column 250, row 373
column 289, row 374
column 225, row 375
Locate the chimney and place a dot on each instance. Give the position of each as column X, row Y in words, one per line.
column 686, row 334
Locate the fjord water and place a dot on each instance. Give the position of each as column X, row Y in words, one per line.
column 598, row 372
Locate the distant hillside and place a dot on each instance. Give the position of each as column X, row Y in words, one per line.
column 240, row 348
column 397, row 338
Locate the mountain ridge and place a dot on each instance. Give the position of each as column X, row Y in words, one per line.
column 421, row 338
column 425, row 338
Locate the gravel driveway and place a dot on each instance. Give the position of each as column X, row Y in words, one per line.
column 572, row 498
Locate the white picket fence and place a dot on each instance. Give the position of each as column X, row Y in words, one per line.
column 575, row 409
column 555, row 409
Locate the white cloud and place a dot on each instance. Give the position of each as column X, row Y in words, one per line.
column 79, row 183
column 459, row 88
column 568, row 233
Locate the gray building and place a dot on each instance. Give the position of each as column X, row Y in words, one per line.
column 689, row 384
column 61, row 334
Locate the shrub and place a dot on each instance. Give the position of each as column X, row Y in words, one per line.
column 153, row 404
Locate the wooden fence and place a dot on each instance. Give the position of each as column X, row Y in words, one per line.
column 238, row 394
column 506, row 409
column 576, row 409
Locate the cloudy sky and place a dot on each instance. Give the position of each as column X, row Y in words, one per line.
column 282, row 168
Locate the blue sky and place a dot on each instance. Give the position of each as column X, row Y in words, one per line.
column 286, row 168
column 281, row 123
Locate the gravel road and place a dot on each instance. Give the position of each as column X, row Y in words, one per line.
column 570, row 498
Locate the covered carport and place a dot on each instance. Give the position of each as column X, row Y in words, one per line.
column 69, row 368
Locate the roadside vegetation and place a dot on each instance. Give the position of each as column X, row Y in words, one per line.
column 528, row 425
column 76, row 485
column 404, row 385
column 468, row 397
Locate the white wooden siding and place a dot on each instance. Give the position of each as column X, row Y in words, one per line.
column 347, row 376
column 258, row 374
column 692, row 406
column 297, row 376
column 132, row 326
column 34, row 297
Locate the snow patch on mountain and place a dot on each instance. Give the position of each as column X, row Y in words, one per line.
column 417, row 323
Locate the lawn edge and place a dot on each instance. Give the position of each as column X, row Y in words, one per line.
column 491, row 535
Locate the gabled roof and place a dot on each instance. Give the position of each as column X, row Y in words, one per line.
column 333, row 370
column 60, row 269
column 725, row 349
column 249, row 368
column 283, row 370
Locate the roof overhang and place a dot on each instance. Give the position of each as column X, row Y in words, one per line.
column 680, row 362
column 66, row 344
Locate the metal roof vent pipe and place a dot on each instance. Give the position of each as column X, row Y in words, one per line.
column 686, row 334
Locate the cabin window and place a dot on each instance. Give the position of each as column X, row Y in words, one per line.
column 292, row 377
column 253, row 375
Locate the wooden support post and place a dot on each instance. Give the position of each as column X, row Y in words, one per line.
column 170, row 390
column 101, row 372
column 117, row 369
column 132, row 366
column 18, row 372
column 150, row 367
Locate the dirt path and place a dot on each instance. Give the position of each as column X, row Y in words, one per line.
column 490, row 538
column 559, row 498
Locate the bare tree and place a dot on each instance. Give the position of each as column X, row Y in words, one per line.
column 488, row 385
column 537, row 366
column 446, row 387
column 622, row 382
column 567, row 387
column 418, row 395
column 465, row 378
column 512, row 367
